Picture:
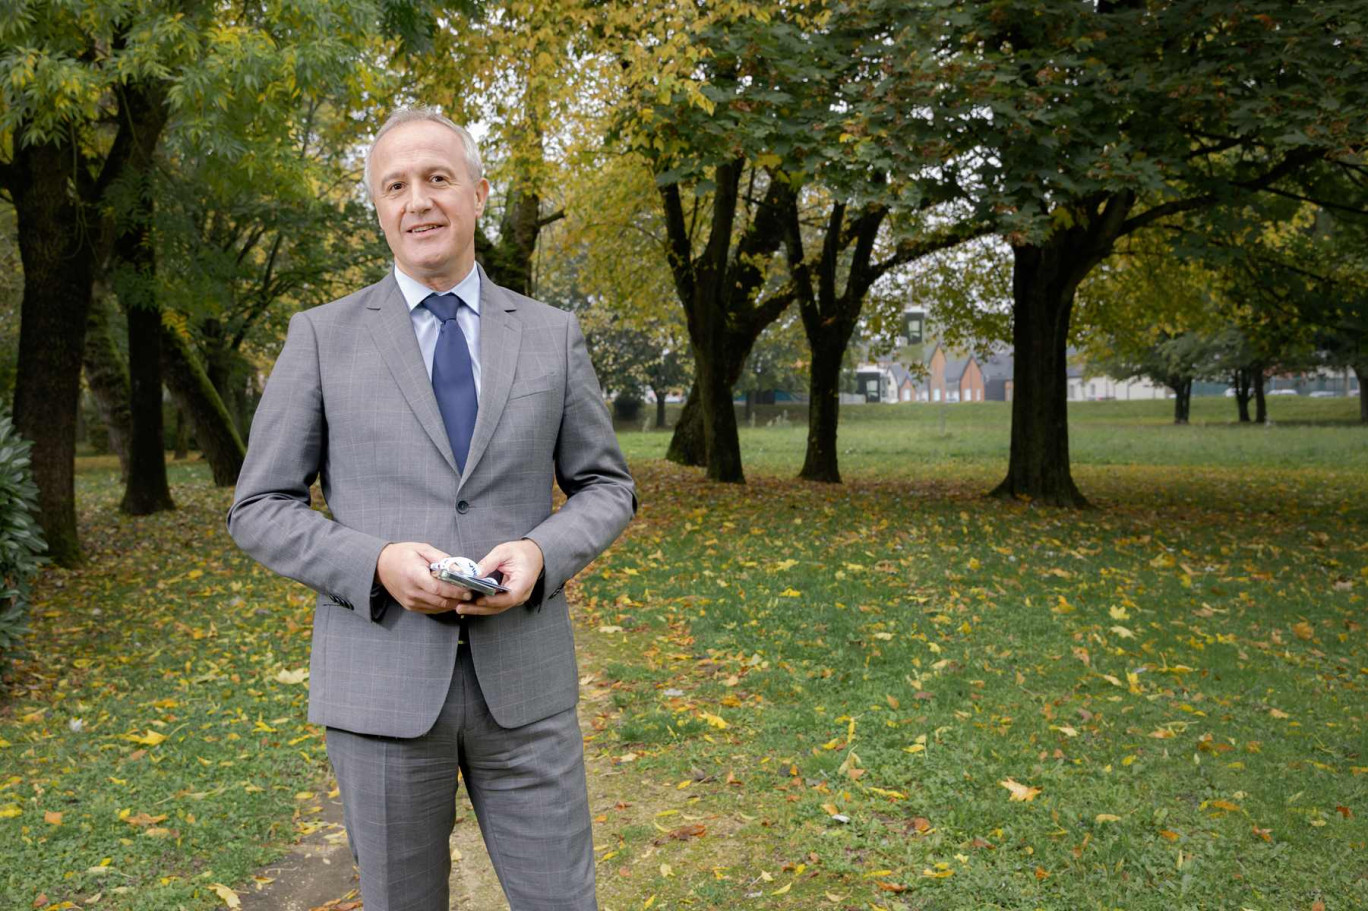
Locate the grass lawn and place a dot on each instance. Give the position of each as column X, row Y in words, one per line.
column 816, row 696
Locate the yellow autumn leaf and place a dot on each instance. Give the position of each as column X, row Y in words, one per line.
column 1123, row 632
column 1019, row 790
column 1064, row 729
column 150, row 739
column 1118, row 613
column 715, row 720
column 1106, row 817
column 1303, row 630
column 230, row 898
column 10, row 810
column 783, row 890
column 790, row 593
column 292, row 677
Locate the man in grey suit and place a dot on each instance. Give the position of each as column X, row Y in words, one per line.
column 436, row 408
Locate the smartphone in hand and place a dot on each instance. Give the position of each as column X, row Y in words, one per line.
column 465, row 572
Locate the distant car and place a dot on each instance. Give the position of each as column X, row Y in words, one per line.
column 1324, row 394
column 1281, row 392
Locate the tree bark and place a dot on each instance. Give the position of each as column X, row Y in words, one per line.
column 182, row 436
column 107, row 376
column 1242, row 386
column 193, row 393
column 821, row 463
column 660, row 408
column 686, row 443
column 1044, row 279
column 57, row 249
column 1182, row 399
column 147, row 490
column 1361, row 371
column 1260, row 399
column 720, row 433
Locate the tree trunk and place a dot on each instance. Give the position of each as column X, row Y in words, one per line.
column 721, row 437
column 660, row 408
column 1182, row 399
column 1043, row 287
column 1242, row 392
column 749, row 415
column 182, row 436
column 107, row 376
column 192, row 392
column 821, row 463
column 56, row 247
column 1260, row 399
column 1361, row 371
column 686, row 443
column 134, row 278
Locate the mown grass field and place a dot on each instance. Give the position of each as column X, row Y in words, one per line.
column 816, row 696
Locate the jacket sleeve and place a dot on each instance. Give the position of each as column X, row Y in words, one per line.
column 270, row 517
column 590, row 470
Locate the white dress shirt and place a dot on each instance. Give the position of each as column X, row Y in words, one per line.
column 427, row 327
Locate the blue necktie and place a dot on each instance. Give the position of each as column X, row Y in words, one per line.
column 453, row 377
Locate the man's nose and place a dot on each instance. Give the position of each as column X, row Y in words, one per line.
column 418, row 200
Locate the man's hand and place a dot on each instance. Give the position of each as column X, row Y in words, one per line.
column 521, row 565
column 403, row 568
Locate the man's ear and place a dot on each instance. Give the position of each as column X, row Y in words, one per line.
column 481, row 195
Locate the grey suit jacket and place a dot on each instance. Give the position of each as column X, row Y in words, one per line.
column 349, row 402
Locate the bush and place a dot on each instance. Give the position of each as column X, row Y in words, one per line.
column 21, row 540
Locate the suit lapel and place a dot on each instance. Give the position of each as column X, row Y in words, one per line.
column 500, row 338
column 392, row 328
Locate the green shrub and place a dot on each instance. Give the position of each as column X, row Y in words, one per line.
column 21, row 540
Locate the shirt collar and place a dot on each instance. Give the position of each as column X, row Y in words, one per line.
column 415, row 292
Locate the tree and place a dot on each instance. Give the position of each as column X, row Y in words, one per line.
column 1074, row 125
column 80, row 101
column 708, row 110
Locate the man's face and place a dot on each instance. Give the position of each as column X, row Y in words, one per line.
column 426, row 202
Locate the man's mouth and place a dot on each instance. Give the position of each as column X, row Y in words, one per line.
column 424, row 229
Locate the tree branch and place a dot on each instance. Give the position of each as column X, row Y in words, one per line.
column 550, row 219
column 678, row 251
column 912, row 249
column 1293, row 160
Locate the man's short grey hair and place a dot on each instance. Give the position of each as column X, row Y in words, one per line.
column 474, row 167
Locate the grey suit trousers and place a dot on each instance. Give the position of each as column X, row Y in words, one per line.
column 527, row 786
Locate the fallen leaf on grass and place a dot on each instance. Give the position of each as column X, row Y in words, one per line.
column 230, row 898
column 1019, row 790
column 715, row 720
column 683, row 833
column 151, row 738
column 53, row 817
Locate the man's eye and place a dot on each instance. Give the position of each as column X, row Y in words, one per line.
column 439, row 178
column 392, row 187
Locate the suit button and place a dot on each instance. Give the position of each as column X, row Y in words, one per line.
column 463, row 507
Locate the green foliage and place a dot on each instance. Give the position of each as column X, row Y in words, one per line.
column 21, row 540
